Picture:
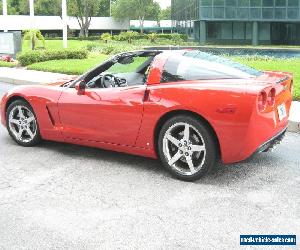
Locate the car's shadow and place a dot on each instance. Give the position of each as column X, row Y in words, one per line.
column 221, row 175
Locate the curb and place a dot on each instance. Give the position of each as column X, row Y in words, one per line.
column 18, row 82
column 294, row 119
column 294, row 127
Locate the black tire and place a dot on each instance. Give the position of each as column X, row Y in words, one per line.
column 30, row 141
column 206, row 158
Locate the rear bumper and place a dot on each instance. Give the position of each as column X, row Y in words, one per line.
column 272, row 143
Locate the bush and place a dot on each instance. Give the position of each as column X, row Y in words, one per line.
column 176, row 38
column 122, row 37
column 106, row 37
column 184, row 37
column 152, row 37
column 112, row 49
column 31, row 57
column 127, row 36
column 90, row 38
column 93, row 47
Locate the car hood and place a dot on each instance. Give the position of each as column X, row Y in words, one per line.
column 62, row 81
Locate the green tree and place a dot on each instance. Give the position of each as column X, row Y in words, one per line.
column 129, row 35
column 104, row 8
column 83, row 10
column 106, row 37
column 176, row 38
column 18, row 7
column 47, row 7
column 165, row 14
column 34, row 36
column 134, row 9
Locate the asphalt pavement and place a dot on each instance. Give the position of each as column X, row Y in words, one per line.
column 59, row 196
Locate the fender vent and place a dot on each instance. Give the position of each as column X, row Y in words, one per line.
column 50, row 116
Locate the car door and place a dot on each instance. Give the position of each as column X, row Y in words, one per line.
column 110, row 115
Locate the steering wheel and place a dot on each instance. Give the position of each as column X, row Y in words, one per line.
column 111, row 83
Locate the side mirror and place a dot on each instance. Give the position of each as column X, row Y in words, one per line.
column 80, row 87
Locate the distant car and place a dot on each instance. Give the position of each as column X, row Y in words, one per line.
column 187, row 108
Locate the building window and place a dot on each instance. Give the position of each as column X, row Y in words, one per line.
column 206, row 12
column 219, row 12
column 264, row 31
column 214, row 30
column 226, row 31
column 293, row 13
column 243, row 13
column 268, row 3
column 280, row 13
column 238, row 29
column 293, row 3
column 249, row 31
column 218, row 2
column 255, row 13
column 206, row 3
column 255, row 3
column 280, row 3
column 230, row 13
column 267, row 13
column 230, row 2
column 243, row 3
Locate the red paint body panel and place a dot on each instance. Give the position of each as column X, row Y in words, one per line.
column 125, row 119
column 109, row 115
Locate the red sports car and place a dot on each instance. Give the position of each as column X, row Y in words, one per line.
column 187, row 108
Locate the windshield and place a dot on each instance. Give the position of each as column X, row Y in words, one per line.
column 197, row 65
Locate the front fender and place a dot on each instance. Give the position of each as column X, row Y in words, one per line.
column 43, row 100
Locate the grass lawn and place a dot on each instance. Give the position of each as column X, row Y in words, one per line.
column 58, row 44
column 7, row 64
column 80, row 66
column 69, row 66
column 286, row 65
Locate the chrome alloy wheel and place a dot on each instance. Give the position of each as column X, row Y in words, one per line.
column 184, row 148
column 22, row 124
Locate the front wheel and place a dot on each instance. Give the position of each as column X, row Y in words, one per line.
column 187, row 148
column 22, row 124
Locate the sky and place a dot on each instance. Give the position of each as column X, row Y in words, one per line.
column 164, row 3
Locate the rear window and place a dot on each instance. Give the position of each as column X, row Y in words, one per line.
column 196, row 65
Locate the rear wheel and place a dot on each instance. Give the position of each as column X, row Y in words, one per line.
column 187, row 147
column 22, row 124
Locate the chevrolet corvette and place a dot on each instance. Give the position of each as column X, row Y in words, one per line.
column 188, row 108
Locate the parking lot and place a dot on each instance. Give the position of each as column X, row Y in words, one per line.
column 59, row 196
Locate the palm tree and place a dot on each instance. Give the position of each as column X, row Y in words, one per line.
column 106, row 37
column 152, row 37
column 34, row 36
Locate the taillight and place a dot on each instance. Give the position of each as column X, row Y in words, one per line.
column 262, row 101
column 271, row 97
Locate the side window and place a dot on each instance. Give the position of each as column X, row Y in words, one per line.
column 128, row 71
column 133, row 66
column 170, row 71
column 203, row 66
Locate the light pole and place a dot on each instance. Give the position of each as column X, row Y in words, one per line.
column 4, row 8
column 64, row 21
column 110, row 8
column 31, row 13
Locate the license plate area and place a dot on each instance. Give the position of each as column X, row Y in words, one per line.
column 281, row 110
